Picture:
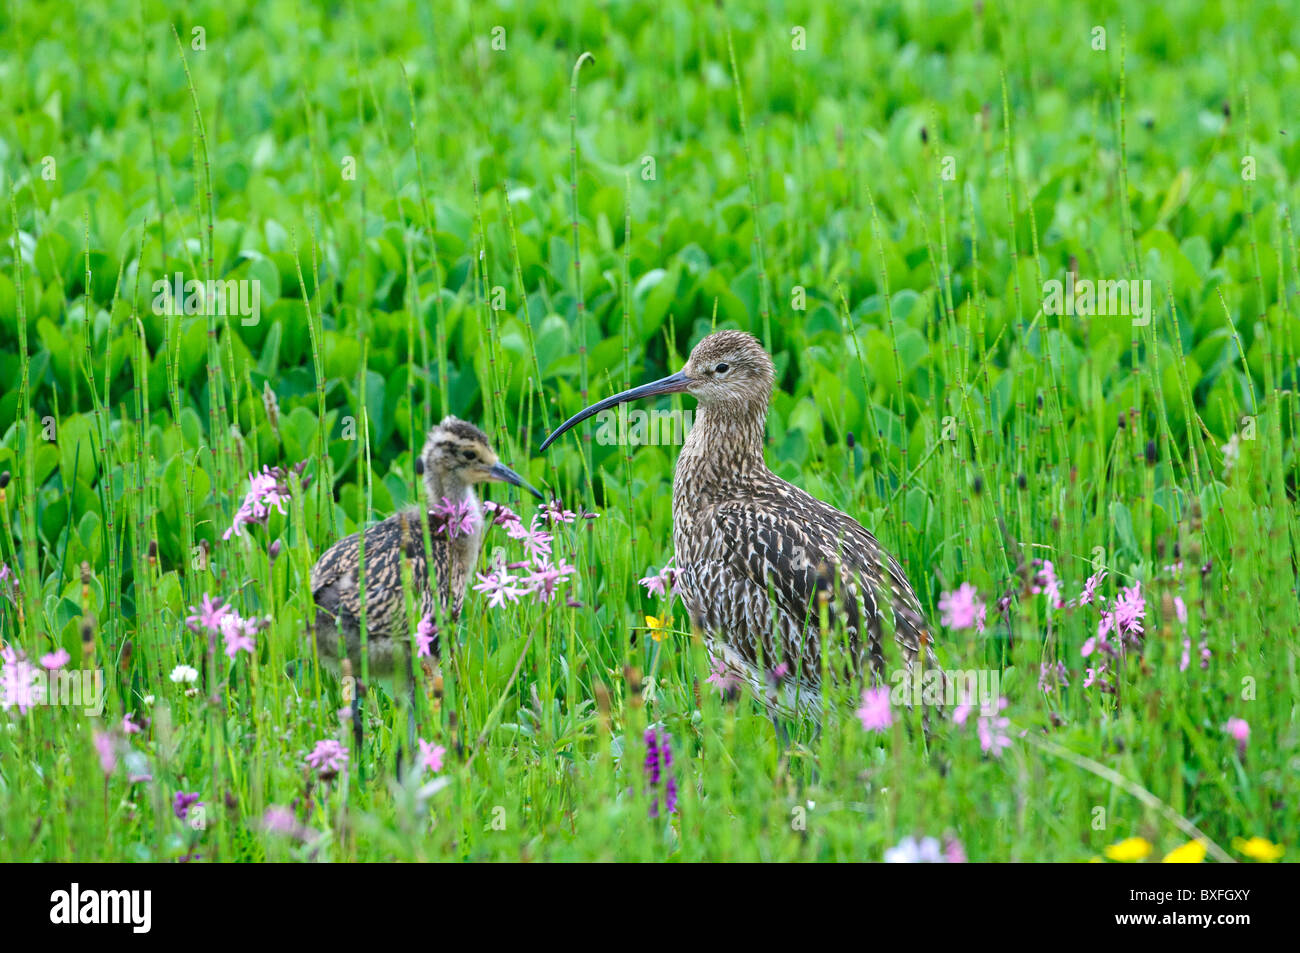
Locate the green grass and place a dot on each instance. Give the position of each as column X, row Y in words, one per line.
column 912, row 178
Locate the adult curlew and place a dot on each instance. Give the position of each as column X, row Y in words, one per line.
column 755, row 552
column 456, row 457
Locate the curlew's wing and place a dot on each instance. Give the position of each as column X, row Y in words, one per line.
column 334, row 577
column 795, row 547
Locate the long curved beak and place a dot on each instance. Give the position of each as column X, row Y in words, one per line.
column 672, row 384
column 499, row 471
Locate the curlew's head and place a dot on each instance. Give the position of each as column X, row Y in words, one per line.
column 457, row 453
column 727, row 368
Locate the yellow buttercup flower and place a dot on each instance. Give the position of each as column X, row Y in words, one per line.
column 1257, row 848
column 1193, row 852
column 658, row 627
column 1132, row 848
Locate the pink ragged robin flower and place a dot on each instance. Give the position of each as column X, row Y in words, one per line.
column 431, row 755
column 875, row 713
column 238, row 634
column 328, row 758
column 1239, row 730
column 661, row 583
column 500, row 513
column 1047, row 583
column 912, row 851
column 537, row 544
column 452, row 520
column 556, row 513
column 106, row 748
column 499, row 586
column 208, row 615
column 544, row 579
column 1130, row 609
column 961, row 609
column 1052, row 676
column 425, row 633
column 953, row 852
column 1089, row 594
column 265, row 490
column 992, row 729
column 22, row 684
column 55, row 660
column 722, row 677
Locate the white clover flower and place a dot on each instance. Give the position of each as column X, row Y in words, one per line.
column 184, row 674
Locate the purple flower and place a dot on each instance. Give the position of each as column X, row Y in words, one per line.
column 453, row 520
column 537, row 544
column 654, row 584
column 961, row 609
column 658, row 762
column 499, row 586
column 661, row 583
column 953, row 852
column 425, row 633
column 992, row 730
column 431, row 755
column 328, row 758
column 1130, row 608
column 912, row 851
column 993, row 735
column 182, row 803
column 1089, row 593
column 875, row 713
column 265, row 490
column 238, row 634
column 106, row 748
column 545, row 577
column 721, row 677
column 501, row 514
column 1239, row 730
column 1051, row 676
column 555, row 513
column 22, row 684
column 926, row 851
column 208, row 616
column 1046, row 582
column 56, row 659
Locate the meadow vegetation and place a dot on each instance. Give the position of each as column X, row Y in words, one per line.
column 454, row 210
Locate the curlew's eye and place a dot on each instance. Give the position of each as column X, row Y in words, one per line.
column 467, row 455
column 722, row 368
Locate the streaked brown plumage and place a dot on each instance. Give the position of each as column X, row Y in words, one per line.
column 456, row 456
column 756, row 553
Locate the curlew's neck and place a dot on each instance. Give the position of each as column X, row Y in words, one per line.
column 438, row 486
column 724, row 449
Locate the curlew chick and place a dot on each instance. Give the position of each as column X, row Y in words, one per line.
column 755, row 553
column 456, row 456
